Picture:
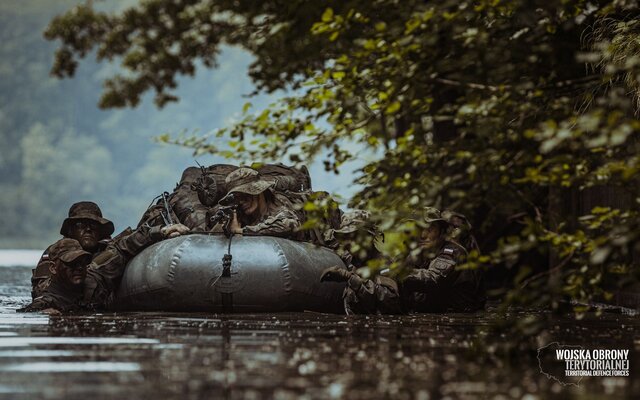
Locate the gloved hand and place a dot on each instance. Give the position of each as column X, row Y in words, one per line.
column 175, row 230
column 335, row 274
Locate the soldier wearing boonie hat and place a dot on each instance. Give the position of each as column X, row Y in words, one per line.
column 86, row 211
column 259, row 211
column 90, row 233
column 85, row 224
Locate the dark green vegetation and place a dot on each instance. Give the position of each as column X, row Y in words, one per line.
column 520, row 114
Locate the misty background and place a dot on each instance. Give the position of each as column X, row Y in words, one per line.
column 57, row 147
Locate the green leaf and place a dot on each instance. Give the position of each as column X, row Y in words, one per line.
column 338, row 75
column 393, row 107
column 327, row 15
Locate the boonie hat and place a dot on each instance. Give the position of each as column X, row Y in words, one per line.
column 245, row 180
column 87, row 210
column 431, row 214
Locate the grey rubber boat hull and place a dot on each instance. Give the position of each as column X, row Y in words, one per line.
column 267, row 274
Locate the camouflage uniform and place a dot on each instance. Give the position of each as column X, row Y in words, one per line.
column 278, row 218
column 435, row 285
column 84, row 210
column 58, row 297
column 104, row 273
column 372, row 296
column 353, row 225
column 58, row 293
column 195, row 199
column 441, row 287
column 106, row 270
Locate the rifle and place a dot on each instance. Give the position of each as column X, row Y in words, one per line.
column 166, row 213
column 224, row 215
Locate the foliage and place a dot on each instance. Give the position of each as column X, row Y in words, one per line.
column 505, row 110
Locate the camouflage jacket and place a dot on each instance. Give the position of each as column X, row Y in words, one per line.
column 440, row 287
column 103, row 275
column 106, row 270
column 40, row 274
column 435, row 287
column 379, row 295
column 280, row 219
column 58, row 296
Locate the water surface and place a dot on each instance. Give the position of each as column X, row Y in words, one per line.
column 286, row 356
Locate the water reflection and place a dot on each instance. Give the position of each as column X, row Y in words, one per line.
column 300, row 355
column 62, row 367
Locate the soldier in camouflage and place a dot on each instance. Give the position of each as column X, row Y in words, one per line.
column 105, row 271
column 434, row 284
column 68, row 269
column 81, row 281
column 260, row 210
column 84, row 224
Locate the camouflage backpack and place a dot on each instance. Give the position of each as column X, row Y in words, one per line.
column 209, row 186
column 286, row 178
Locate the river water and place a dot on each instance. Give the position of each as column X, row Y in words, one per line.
column 289, row 356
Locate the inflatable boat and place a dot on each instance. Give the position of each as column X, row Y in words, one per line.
column 262, row 274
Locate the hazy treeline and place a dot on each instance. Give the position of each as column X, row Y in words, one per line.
column 57, row 147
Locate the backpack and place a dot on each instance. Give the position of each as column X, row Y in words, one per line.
column 211, row 187
column 209, row 183
column 286, row 178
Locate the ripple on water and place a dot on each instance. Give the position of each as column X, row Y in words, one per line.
column 57, row 367
column 6, row 320
column 29, row 341
column 36, row 353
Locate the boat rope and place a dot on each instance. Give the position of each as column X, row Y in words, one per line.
column 226, row 263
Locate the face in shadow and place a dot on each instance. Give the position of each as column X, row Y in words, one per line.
column 86, row 232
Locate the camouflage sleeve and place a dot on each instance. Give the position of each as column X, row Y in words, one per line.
column 67, row 302
column 439, row 271
column 106, row 269
column 153, row 216
column 39, row 304
column 283, row 223
column 130, row 245
column 377, row 296
column 40, row 273
column 42, row 267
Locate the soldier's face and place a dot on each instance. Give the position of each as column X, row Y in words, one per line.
column 73, row 273
column 430, row 236
column 86, row 233
column 247, row 203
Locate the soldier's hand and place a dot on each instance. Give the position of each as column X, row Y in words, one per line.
column 335, row 274
column 234, row 225
column 174, row 230
column 51, row 311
